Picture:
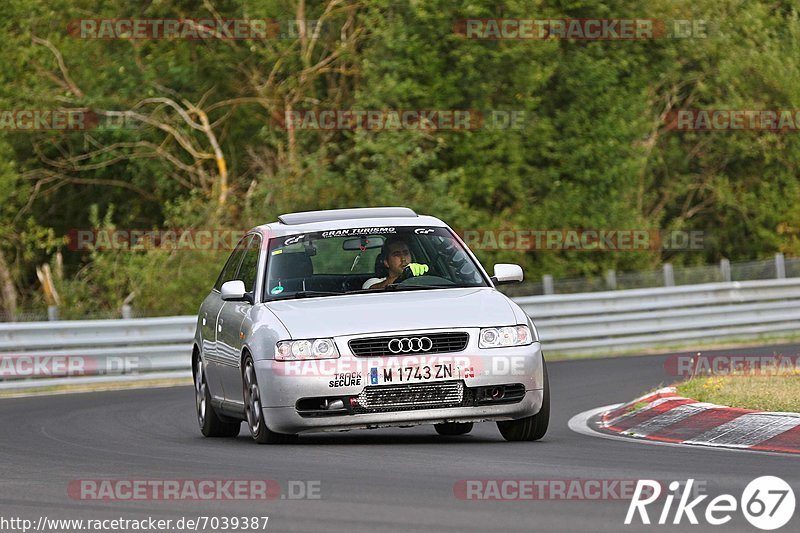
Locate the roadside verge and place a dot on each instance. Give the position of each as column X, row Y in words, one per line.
column 44, row 387
column 665, row 416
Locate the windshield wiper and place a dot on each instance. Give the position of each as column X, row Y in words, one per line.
column 307, row 294
column 399, row 287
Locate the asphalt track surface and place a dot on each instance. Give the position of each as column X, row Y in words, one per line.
column 376, row 480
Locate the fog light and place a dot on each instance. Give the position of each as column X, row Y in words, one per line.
column 334, row 405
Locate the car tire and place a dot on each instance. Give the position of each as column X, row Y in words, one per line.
column 253, row 409
column 211, row 424
column 450, row 429
column 533, row 427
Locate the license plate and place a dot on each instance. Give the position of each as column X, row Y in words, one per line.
column 411, row 374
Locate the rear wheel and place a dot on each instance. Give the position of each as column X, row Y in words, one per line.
column 211, row 425
column 453, row 428
column 531, row 427
column 252, row 406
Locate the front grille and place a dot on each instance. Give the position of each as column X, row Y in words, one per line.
column 410, row 397
column 448, row 342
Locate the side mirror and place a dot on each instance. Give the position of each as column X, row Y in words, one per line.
column 506, row 273
column 234, row 291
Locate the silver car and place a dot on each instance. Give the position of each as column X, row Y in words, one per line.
column 364, row 318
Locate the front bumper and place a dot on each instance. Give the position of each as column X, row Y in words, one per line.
column 288, row 420
column 283, row 384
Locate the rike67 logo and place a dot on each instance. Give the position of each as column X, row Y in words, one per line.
column 767, row 503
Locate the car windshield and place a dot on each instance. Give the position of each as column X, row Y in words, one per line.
column 350, row 260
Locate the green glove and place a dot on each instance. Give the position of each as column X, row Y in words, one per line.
column 417, row 269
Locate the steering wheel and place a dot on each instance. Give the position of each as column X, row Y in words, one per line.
column 424, row 279
column 404, row 275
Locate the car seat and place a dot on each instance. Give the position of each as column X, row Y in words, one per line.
column 290, row 270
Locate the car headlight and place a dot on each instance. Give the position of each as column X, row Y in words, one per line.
column 306, row 349
column 504, row 337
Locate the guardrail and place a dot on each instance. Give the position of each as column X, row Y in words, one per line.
column 614, row 321
column 600, row 322
column 44, row 354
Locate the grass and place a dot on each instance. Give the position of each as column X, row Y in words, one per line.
column 637, row 406
column 763, row 393
column 689, row 345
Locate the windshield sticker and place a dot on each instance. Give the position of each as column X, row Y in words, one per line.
column 277, row 289
column 356, row 231
column 278, row 251
column 293, row 240
column 424, row 231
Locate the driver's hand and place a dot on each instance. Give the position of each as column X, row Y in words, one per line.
column 417, row 269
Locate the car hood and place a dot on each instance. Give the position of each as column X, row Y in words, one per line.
column 393, row 311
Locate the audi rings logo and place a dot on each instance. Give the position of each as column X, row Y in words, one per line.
column 410, row 344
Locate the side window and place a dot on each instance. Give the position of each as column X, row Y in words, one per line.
column 249, row 267
column 229, row 271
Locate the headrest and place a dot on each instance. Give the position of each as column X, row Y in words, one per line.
column 380, row 269
column 291, row 265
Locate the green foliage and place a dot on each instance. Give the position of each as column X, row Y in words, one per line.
column 593, row 152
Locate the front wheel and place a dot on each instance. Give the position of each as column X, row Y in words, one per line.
column 531, row 427
column 211, row 425
column 252, row 405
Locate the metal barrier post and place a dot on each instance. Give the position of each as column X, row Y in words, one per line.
column 547, row 284
column 669, row 275
column 780, row 266
column 611, row 279
column 725, row 269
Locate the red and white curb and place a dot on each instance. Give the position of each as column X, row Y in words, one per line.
column 664, row 416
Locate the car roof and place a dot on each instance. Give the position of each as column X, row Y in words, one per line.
column 307, row 217
column 379, row 217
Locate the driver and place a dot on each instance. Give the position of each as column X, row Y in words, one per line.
column 396, row 257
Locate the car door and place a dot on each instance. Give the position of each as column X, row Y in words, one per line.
column 233, row 314
column 208, row 335
column 210, row 323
